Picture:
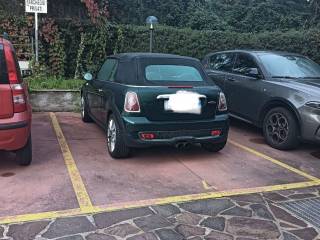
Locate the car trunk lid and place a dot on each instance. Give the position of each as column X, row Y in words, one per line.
column 154, row 101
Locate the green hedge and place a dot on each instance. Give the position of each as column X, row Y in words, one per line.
column 199, row 43
column 193, row 43
column 80, row 48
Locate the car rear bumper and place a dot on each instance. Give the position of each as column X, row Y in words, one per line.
column 14, row 132
column 171, row 133
column 310, row 124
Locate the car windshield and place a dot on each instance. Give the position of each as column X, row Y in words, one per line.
column 174, row 73
column 290, row 66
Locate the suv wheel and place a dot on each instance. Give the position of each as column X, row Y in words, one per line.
column 24, row 155
column 280, row 129
column 211, row 147
column 115, row 142
column 84, row 111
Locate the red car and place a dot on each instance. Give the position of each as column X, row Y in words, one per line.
column 15, row 110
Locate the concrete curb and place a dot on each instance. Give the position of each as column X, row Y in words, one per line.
column 55, row 100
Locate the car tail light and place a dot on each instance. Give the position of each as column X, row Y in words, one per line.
column 147, row 136
column 222, row 106
column 216, row 133
column 17, row 88
column 19, row 98
column 131, row 103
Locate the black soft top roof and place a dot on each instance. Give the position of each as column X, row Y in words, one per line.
column 132, row 66
column 131, row 56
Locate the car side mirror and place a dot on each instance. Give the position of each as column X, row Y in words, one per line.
column 88, row 77
column 253, row 72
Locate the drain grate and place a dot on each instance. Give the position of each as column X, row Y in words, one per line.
column 307, row 209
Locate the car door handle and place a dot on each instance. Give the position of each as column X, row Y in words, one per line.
column 231, row 79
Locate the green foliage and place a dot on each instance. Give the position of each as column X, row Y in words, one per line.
column 119, row 41
column 48, row 82
column 232, row 15
column 199, row 43
column 57, row 57
column 128, row 38
column 92, row 49
column 70, row 47
column 79, row 68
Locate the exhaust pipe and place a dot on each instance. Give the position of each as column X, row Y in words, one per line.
column 183, row 145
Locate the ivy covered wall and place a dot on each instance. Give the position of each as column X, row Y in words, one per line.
column 77, row 35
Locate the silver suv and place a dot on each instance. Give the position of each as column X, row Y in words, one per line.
column 277, row 91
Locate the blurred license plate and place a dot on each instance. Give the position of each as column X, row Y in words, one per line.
column 183, row 103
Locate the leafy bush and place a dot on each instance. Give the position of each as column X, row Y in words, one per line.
column 199, row 43
column 45, row 82
column 77, row 48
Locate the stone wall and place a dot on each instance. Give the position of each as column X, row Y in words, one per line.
column 55, row 100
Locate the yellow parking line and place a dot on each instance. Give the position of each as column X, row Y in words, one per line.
column 39, row 216
column 203, row 196
column 158, row 201
column 275, row 161
column 77, row 183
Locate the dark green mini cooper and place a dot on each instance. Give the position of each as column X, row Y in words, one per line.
column 144, row 100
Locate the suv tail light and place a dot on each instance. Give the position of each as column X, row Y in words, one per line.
column 222, row 106
column 131, row 103
column 15, row 80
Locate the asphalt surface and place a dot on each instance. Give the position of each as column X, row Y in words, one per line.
column 72, row 173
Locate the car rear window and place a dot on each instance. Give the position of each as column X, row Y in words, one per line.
column 162, row 71
column 172, row 73
column 3, row 68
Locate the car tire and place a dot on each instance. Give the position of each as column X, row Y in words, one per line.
column 24, row 155
column 115, row 141
column 84, row 111
column 213, row 147
column 281, row 129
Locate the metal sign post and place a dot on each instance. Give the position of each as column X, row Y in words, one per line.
column 36, row 36
column 36, row 7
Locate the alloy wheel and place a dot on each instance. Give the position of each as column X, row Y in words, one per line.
column 277, row 128
column 112, row 135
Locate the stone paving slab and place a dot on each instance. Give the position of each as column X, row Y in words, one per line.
column 247, row 217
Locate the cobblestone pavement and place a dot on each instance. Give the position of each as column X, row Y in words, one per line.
column 246, row 217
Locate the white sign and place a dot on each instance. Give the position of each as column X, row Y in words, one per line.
column 36, row 6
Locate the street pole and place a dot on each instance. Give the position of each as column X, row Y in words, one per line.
column 37, row 37
column 151, row 37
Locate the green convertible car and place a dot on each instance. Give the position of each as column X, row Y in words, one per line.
column 143, row 99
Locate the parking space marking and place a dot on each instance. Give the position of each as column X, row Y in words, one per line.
column 159, row 201
column 275, row 161
column 39, row 216
column 77, row 183
column 204, row 196
column 207, row 186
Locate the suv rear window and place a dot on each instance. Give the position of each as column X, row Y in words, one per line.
column 172, row 73
column 3, row 68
